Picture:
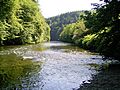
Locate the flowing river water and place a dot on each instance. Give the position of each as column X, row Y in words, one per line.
column 62, row 67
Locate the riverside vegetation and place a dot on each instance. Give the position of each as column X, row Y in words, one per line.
column 21, row 22
column 96, row 30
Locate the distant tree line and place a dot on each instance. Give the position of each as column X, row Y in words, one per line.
column 58, row 22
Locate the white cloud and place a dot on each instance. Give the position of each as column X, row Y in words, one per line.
column 55, row 7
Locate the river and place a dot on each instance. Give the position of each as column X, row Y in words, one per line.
column 47, row 66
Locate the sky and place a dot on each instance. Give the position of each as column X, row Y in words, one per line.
column 51, row 8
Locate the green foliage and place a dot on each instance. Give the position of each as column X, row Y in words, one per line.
column 73, row 31
column 21, row 22
column 103, row 30
column 57, row 23
column 107, row 27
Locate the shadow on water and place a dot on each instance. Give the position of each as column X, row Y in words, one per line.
column 65, row 47
column 107, row 79
column 36, row 47
column 16, row 72
column 3, row 48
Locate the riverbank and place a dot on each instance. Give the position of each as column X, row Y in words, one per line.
column 108, row 79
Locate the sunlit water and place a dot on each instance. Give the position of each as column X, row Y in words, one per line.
column 64, row 66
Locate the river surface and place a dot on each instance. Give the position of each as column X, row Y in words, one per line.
column 63, row 67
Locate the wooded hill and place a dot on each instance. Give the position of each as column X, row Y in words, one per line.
column 58, row 22
column 21, row 22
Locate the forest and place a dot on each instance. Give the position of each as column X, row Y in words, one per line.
column 97, row 30
column 21, row 22
column 58, row 22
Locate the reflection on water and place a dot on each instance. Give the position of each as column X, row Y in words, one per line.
column 64, row 66
column 15, row 73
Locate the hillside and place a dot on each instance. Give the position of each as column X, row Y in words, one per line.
column 58, row 22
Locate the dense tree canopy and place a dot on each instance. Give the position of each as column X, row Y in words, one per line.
column 103, row 30
column 21, row 22
column 72, row 31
